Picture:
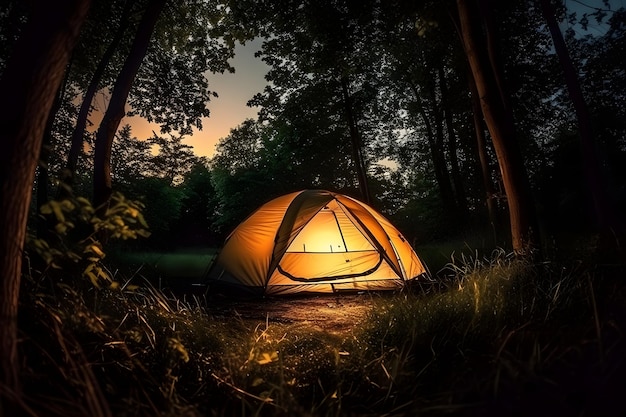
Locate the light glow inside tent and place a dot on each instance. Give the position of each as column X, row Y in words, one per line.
column 316, row 241
column 327, row 232
column 321, row 235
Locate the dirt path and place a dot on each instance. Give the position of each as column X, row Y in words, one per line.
column 330, row 313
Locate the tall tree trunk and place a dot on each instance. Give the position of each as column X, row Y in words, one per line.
column 493, row 48
column 27, row 90
column 355, row 139
column 455, row 171
column 521, row 211
column 608, row 221
column 481, row 146
column 115, row 110
column 67, row 177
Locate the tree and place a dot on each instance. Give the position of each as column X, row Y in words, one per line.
column 115, row 110
column 28, row 86
column 173, row 159
column 195, row 225
column 169, row 86
column 435, row 138
column 455, row 170
column 77, row 138
column 502, row 130
column 481, row 148
column 338, row 64
column 420, row 66
column 607, row 219
column 191, row 39
column 355, row 141
column 243, row 174
column 240, row 149
column 130, row 159
column 162, row 211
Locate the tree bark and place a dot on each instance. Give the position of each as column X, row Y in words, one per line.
column 608, row 221
column 67, row 177
column 115, row 111
column 355, row 139
column 493, row 46
column 519, row 199
column 481, row 146
column 27, row 90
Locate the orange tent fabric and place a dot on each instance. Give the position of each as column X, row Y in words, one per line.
column 315, row 241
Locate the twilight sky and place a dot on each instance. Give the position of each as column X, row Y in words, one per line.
column 229, row 109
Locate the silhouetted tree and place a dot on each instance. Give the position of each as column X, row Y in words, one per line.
column 501, row 128
column 27, row 89
column 78, row 134
column 116, row 107
column 608, row 221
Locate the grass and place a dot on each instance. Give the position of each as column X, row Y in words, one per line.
column 174, row 269
column 494, row 336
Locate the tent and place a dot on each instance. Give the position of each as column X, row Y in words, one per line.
column 315, row 241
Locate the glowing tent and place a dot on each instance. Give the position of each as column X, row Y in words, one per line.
column 315, row 241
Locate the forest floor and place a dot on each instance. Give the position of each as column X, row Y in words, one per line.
column 506, row 339
column 335, row 314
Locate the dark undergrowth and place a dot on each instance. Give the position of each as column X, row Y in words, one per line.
column 492, row 336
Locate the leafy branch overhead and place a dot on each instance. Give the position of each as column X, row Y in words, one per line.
column 190, row 41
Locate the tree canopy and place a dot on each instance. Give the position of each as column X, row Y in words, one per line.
column 363, row 97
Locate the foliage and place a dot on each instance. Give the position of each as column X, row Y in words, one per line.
column 173, row 184
column 195, row 225
column 240, row 149
column 319, row 104
column 173, row 159
column 237, row 197
column 130, row 159
column 163, row 203
column 191, row 39
column 397, row 58
column 76, row 234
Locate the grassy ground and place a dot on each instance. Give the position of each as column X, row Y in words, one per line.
column 493, row 336
column 169, row 270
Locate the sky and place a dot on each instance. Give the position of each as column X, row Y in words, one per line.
column 589, row 6
column 229, row 109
